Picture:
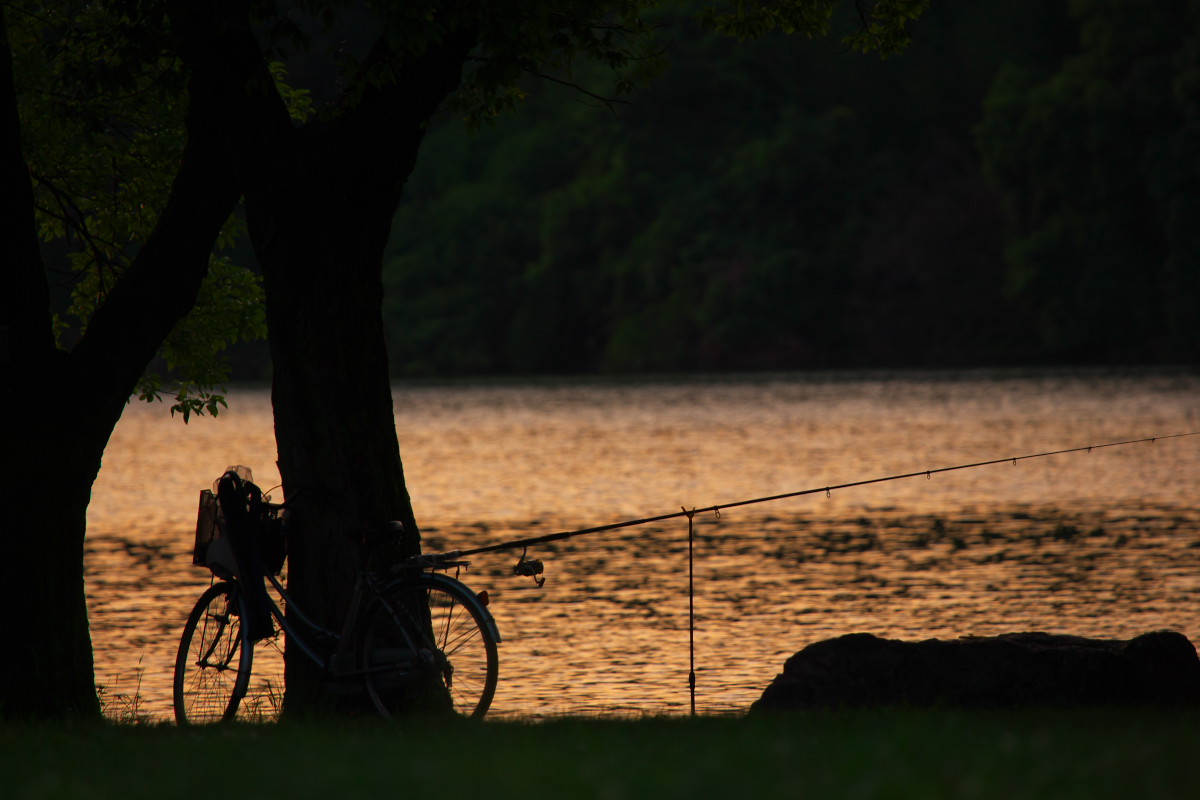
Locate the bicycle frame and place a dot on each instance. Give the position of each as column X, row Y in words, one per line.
column 297, row 638
column 413, row 635
column 333, row 664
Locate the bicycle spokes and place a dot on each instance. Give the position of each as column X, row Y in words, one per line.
column 215, row 639
column 448, row 663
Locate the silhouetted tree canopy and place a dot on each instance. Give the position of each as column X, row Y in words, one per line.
column 762, row 205
column 1098, row 163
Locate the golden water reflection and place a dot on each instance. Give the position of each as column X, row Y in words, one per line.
column 1103, row 543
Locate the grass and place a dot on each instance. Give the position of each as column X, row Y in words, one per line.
column 869, row 754
column 126, row 708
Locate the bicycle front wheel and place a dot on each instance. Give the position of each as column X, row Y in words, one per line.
column 212, row 669
column 427, row 649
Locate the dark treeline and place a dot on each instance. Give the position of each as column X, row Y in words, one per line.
column 1020, row 187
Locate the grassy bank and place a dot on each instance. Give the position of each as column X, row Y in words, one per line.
column 884, row 754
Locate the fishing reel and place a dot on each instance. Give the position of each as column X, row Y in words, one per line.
column 530, row 567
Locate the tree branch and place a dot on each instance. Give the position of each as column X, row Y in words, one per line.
column 607, row 102
column 228, row 67
column 161, row 284
column 74, row 222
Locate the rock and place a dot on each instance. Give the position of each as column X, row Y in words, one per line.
column 1015, row 669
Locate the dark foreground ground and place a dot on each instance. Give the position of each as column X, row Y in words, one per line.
column 1118, row 753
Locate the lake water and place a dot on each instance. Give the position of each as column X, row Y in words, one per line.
column 1101, row 543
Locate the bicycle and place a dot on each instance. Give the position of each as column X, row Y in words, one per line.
column 418, row 640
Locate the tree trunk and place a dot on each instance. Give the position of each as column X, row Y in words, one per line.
column 58, row 409
column 319, row 203
column 320, row 230
column 47, row 670
column 334, row 422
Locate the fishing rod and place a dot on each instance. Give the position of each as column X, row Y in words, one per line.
column 828, row 490
column 533, row 568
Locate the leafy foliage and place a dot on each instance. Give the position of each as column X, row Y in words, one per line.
column 762, row 204
column 559, row 40
column 1098, row 163
column 884, row 22
column 102, row 100
column 229, row 308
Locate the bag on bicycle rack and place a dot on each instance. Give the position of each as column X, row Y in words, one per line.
column 213, row 550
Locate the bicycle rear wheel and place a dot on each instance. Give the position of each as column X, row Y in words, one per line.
column 212, row 669
column 428, row 650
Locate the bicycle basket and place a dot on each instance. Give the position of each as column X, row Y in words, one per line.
column 207, row 528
